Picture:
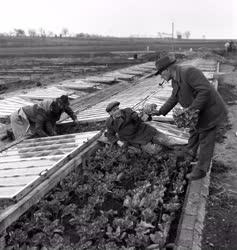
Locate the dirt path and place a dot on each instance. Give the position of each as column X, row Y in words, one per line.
column 221, row 224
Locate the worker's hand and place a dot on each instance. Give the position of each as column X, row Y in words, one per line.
column 52, row 133
column 144, row 117
column 120, row 143
column 156, row 112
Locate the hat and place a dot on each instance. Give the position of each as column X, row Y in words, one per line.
column 63, row 99
column 163, row 63
column 111, row 105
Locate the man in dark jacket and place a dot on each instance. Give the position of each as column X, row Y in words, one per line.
column 193, row 91
column 125, row 126
column 40, row 119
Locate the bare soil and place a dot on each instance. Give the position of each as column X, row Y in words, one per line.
column 220, row 224
column 41, row 46
column 24, row 73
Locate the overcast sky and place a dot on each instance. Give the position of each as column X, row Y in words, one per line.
column 212, row 18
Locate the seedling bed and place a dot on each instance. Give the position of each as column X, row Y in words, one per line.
column 114, row 200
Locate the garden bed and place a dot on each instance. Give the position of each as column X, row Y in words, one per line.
column 114, row 200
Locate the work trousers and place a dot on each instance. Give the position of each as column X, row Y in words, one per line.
column 162, row 139
column 205, row 142
column 155, row 145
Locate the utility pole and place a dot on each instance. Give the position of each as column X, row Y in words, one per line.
column 172, row 36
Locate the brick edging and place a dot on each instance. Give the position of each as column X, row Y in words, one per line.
column 191, row 224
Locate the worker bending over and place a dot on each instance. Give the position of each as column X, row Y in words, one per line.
column 40, row 119
column 193, row 91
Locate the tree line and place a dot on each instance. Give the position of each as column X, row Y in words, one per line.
column 43, row 33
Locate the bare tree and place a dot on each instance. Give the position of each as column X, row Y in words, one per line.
column 19, row 32
column 32, row 32
column 187, row 34
column 50, row 34
column 42, row 32
column 65, row 32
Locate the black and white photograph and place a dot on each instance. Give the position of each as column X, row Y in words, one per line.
column 118, row 125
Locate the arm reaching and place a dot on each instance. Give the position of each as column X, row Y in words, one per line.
column 110, row 134
column 69, row 111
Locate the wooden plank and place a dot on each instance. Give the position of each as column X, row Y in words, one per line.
column 130, row 72
column 176, row 136
column 9, row 107
column 46, row 143
column 21, row 172
column 163, row 118
column 17, row 181
column 120, row 76
column 101, row 79
column 89, row 120
column 17, row 100
column 5, row 147
column 51, row 157
column 173, row 129
column 26, row 164
column 57, row 137
column 25, row 147
column 42, row 153
column 7, row 192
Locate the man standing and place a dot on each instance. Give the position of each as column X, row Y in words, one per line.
column 125, row 126
column 193, row 91
column 40, row 119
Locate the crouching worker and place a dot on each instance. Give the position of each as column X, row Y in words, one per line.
column 40, row 119
column 125, row 127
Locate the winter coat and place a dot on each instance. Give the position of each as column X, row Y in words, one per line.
column 129, row 128
column 44, row 116
column 192, row 89
column 39, row 121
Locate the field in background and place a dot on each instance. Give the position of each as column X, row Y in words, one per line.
column 26, row 46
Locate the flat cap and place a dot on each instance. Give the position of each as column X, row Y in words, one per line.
column 111, row 105
column 163, row 63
